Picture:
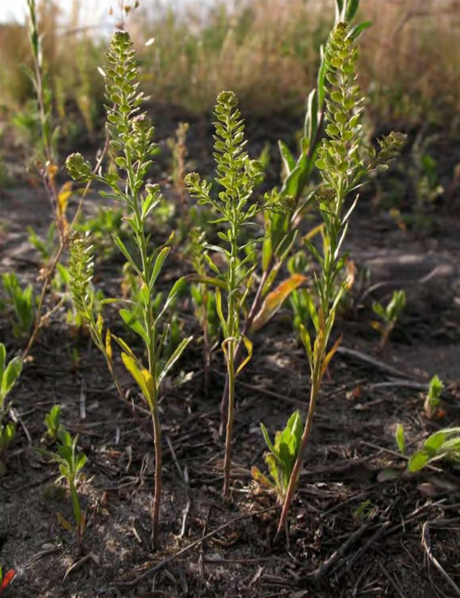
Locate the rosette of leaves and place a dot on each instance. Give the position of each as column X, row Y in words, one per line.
column 131, row 149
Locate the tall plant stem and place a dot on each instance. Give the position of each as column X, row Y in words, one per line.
column 230, row 416
column 158, row 479
column 257, row 302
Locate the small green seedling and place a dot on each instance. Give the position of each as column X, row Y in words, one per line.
column 9, row 374
column 70, row 463
column 22, row 302
column 433, row 398
column 281, row 456
column 442, row 445
column 53, row 423
column 389, row 315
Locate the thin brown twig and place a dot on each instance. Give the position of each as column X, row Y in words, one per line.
column 426, row 544
column 161, row 565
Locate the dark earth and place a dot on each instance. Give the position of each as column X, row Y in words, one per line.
column 361, row 526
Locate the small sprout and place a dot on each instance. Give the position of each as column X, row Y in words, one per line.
column 400, row 439
column 9, row 375
column 389, row 315
column 281, row 456
column 442, row 445
column 433, row 398
column 53, row 422
column 70, row 463
column 22, row 301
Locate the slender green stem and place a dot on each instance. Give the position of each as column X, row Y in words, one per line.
column 230, row 416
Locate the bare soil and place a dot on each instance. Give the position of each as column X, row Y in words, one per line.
column 358, row 521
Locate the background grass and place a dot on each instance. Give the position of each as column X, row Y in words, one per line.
column 264, row 50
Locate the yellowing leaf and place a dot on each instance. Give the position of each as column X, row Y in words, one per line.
column 62, row 201
column 108, row 346
column 330, row 355
column 275, row 300
column 143, row 378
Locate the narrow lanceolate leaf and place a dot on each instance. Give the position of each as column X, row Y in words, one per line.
column 400, row 439
column 63, row 197
column 275, row 300
column 143, row 378
column 10, row 375
column 330, row 355
column 174, row 357
column 248, row 345
column 418, row 461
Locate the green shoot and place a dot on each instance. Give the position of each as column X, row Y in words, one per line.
column 442, row 445
column 433, row 398
column 53, row 423
column 400, row 439
column 70, row 463
column 9, row 375
column 130, row 148
column 389, row 315
column 281, row 457
column 22, row 302
column 344, row 163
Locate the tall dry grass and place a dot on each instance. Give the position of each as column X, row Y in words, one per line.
column 265, row 50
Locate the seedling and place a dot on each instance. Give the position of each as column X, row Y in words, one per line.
column 281, row 456
column 344, row 162
column 433, row 398
column 9, row 375
column 70, row 463
column 442, row 445
column 389, row 315
column 22, row 302
column 53, row 423
column 130, row 148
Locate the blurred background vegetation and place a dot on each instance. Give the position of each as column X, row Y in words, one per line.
column 264, row 50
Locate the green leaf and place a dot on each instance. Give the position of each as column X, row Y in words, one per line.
column 161, row 257
column 268, row 442
column 174, row 357
column 11, row 375
column 434, row 443
column 2, row 361
column 418, row 461
column 133, row 322
column 400, row 439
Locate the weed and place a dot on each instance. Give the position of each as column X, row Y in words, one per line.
column 281, row 457
column 22, row 302
column 53, row 423
column 238, row 176
column 344, row 163
column 70, row 463
column 131, row 148
column 9, row 375
column 442, row 445
column 433, row 397
column 389, row 315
